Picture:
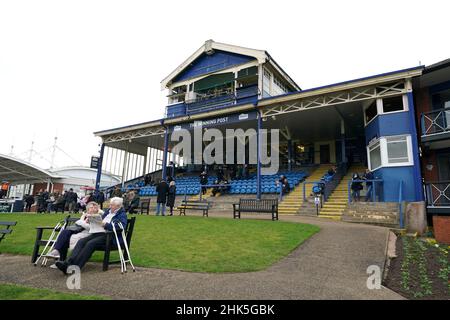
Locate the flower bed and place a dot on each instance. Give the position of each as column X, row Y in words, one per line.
column 420, row 271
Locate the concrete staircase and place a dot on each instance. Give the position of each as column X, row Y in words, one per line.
column 338, row 200
column 378, row 213
column 207, row 195
column 294, row 200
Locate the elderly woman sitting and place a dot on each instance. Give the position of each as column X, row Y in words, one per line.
column 86, row 246
column 68, row 238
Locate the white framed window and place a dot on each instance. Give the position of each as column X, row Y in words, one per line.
column 374, row 156
column 385, row 105
column 392, row 151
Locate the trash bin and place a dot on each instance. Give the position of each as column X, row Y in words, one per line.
column 18, row 206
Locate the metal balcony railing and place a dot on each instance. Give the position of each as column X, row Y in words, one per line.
column 436, row 121
column 437, row 193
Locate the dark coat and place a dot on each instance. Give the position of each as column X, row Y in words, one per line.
column 171, row 196
column 135, row 202
column 162, row 188
column 203, row 178
column 121, row 216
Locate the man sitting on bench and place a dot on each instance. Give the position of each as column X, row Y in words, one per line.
column 86, row 246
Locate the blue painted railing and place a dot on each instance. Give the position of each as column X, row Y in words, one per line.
column 375, row 197
column 212, row 103
column 436, row 121
column 438, row 193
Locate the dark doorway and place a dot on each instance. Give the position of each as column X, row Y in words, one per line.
column 325, row 153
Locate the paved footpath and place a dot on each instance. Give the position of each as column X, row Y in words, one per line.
column 330, row 265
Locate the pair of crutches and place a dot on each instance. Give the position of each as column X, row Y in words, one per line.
column 123, row 261
column 60, row 226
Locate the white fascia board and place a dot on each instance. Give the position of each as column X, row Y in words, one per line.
column 181, row 67
column 128, row 128
column 260, row 55
column 341, row 87
column 284, row 74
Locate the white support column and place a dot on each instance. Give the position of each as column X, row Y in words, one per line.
column 125, row 165
column 260, row 81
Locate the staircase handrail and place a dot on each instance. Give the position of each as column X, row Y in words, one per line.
column 374, row 181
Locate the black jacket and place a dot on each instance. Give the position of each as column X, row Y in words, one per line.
column 171, row 196
column 203, row 179
column 162, row 189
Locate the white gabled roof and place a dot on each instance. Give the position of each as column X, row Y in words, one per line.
column 209, row 45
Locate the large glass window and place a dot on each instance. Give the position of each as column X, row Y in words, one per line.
column 393, row 104
column 390, row 152
column 375, row 156
column 397, row 149
column 384, row 106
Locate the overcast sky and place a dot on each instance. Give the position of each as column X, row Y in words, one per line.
column 69, row 68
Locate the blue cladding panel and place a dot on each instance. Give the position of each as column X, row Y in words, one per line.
column 176, row 110
column 372, row 130
column 391, row 181
column 206, row 64
column 394, row 124
column 388, row 125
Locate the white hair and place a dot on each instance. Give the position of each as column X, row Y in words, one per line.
column 117, row 200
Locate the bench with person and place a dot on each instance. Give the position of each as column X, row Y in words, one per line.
column 5, row 228
column 256, row 206
column 201, row 205
column 104, row 234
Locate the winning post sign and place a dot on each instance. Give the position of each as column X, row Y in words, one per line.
column 94, row 162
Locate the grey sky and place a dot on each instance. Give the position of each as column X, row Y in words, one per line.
column 69, row 68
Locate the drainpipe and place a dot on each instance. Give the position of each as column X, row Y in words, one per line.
column 415, row 147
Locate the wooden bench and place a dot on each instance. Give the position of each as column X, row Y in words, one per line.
column 256, row 206
column 145, row 206
column 5, row 228
column 39, row 242
column 201, row 205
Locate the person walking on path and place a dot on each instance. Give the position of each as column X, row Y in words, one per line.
column 162, row 189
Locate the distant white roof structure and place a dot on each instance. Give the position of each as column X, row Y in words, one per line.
column 16, row 171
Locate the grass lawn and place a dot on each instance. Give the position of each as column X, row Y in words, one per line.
column 186, row 243
column 14, row 292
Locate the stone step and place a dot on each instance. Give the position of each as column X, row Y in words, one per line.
column 384, row 223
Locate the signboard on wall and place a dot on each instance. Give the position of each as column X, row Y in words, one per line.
column 94, row 162
column 216, row 122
